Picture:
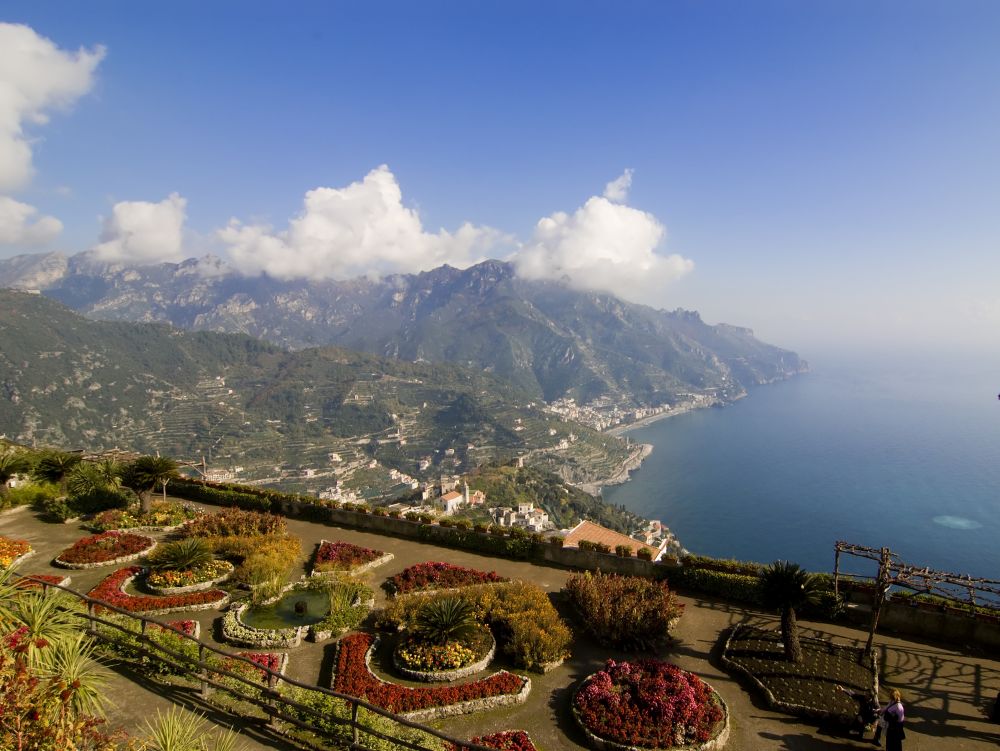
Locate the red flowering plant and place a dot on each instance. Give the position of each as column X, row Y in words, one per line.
column 647, row 703
column 47, row 578
column 187, row 627
column 110, row 591
column 105, row 548
column 438, row 575
column 505, row 740
column 356, row 679
column 11, row 550
column 343, row 556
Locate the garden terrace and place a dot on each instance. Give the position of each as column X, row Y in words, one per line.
column 340, row 556
column 947, row 692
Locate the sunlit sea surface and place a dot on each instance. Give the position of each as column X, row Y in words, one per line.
column 896, row 455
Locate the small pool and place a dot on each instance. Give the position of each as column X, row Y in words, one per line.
column 281, row 614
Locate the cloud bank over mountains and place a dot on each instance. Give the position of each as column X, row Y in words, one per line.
column 36, row 78
column 362, row 229
column 365, row 229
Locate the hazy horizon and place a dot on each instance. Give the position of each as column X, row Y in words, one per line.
column 824, row 174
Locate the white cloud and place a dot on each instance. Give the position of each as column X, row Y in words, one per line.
column 362, row 229
column 35, row 77
column 19, row 225
column 603, row 245
column 142, row 232
column 617, row 189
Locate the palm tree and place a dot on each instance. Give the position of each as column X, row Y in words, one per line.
column 94, row 477
column 786, row 586
column 69, row 665
column 12, row 462
column 145, row 473
column 54, row 466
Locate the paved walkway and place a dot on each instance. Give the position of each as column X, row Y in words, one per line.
column 947, row 691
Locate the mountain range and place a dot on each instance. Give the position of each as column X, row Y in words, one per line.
column 549, row 340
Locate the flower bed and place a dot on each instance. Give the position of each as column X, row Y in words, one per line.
column 808, row 688
column 438, row 575
column 169, row 582
column 165, row 517
column 421, row 661
column 335, row 557
column 649, row 704
column 62, row 581
column 505, row 740
column 276, row 663
column 354, row 677
column 105, row 549
column 112, row 591
column 13, row 551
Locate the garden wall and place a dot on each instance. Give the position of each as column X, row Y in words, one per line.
column 928, row 622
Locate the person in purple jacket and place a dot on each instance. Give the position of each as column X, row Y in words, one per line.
column 893, row 715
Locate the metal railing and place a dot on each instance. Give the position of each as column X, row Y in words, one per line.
column 211, row 668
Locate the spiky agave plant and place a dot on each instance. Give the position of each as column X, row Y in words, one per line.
column 446, row 619
column 181, row 555
column 47, row 618
column 68, row 663
column 178, row 730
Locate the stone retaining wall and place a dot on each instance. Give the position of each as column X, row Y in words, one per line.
column 191, row 587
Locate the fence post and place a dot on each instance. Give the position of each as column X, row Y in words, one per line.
column 272, row 683
column 91, row 627
column 203, row 673
column 354, row 724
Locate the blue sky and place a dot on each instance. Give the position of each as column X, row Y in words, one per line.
column 824, row 172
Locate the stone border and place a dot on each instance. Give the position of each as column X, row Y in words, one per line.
column 21, row 558
column 177, row 608
column 446, row 590
column 360, row 569
column 15, row 509
column 447, row 710
column 602, row 744
column 166, row 591
column 264, row 638
column 446, row 676
column 112, row 562
column 772, row 701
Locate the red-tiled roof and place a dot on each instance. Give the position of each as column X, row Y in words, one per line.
column 596, row 533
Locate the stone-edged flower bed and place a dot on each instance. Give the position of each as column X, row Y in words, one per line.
column 169, row 582
column 112, row 591
column 438, row 575
column 163, row 517
column 12, row 551
column 505, row 740
column 340, row 557
column 105, row 549
column 354, row 677
column 62, row 581
column 649, row 704
column 443, row 663
column 276, row 663
column 809, row 688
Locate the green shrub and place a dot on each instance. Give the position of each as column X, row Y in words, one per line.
column 623, row 551
column 31, row 494
column 737, row 587
column 556, row 541
column 631, row 612
column 645, row 554
column 55, row 509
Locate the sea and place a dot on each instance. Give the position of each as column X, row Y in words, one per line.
column 874, row 452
